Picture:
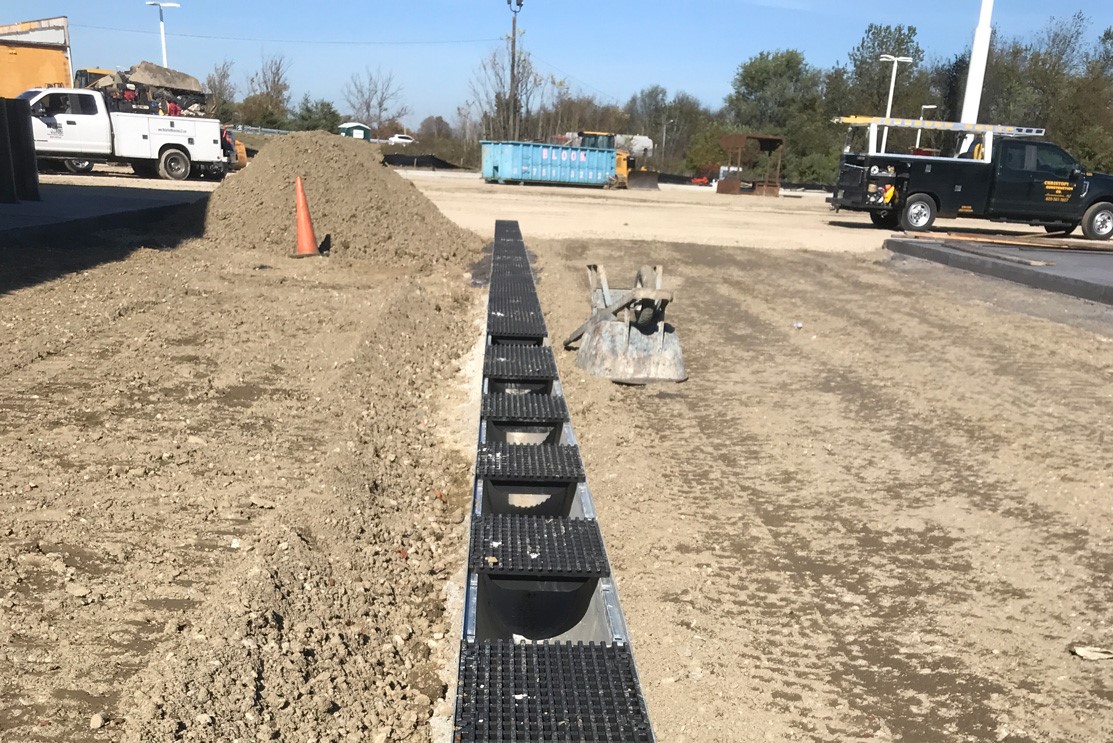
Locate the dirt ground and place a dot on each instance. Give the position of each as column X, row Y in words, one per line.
column 688, row 214
column 232, row 483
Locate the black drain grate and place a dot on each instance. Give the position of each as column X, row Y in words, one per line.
column 504, row 408
column 541, row 546
column 506, row 305
column 529, row 463
column 517, row 326
column 507, row 230
column 549, row 692
column 519, row 363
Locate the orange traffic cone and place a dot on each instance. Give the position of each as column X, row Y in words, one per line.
column 307, row 239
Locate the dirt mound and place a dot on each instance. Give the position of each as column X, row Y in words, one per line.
column 365, row 208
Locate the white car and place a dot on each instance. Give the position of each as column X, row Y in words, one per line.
column 402, row 139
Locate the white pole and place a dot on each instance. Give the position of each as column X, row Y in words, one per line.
column 162, row 33
column 889, row 108
column 979, row 56
column 925, row 107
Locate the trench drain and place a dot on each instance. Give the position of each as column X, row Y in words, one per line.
column 545, row 652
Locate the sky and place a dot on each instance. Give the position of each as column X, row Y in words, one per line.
column 609, row 49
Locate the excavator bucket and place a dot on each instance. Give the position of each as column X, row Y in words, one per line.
column 626, row 339
column 643, row 179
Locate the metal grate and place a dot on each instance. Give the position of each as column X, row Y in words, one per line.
column 542, row 546
column 549, row 692
column 519, row 363
column 504, row 408
column 531, row 463
column 507, row 230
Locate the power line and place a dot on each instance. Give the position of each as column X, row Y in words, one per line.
column 570, row 76
column 324, row 42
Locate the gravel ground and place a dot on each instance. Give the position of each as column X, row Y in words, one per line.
column 229, row 512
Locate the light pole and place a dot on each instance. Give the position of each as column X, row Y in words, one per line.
column 513, row 97
column 162, row 25
column 892, row 87
column 664, row 139
column 925, row 107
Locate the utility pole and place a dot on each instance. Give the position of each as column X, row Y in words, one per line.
column 512, row 98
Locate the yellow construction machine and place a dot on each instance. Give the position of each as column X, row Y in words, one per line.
column 627, row 174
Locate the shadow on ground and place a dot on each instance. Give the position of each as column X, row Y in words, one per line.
column 41, row 253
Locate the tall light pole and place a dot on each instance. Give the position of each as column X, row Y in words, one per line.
column 975, row 78
column 925, row 107
column 162, row 25
column 664, row 139
column 513, row 97
column 892, row 87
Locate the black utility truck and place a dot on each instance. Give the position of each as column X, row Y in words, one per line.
column 1000, row 173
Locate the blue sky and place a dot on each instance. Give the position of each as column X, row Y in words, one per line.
column 610, row 49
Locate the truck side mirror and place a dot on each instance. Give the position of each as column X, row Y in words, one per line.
column 1077, row 172
column 37, row 109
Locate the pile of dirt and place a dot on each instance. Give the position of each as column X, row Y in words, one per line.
column 365, row 209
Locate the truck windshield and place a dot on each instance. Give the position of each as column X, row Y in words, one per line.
column 28, row 95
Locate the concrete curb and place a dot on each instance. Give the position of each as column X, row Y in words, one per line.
column 1038, row 277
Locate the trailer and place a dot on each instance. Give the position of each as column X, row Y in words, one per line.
column 36, row 55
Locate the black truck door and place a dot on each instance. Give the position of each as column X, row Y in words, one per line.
column 1034, row 180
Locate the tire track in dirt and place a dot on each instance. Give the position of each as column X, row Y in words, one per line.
column 856, row 525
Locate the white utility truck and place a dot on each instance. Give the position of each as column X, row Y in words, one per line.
column 76, row 127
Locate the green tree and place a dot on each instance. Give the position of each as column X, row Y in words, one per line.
column 434, row 127
column 313, row 115
column 704, row 154
column 262, row 110
column 869, row 77
column 771, row 90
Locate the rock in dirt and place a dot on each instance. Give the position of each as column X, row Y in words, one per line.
column 96, row 722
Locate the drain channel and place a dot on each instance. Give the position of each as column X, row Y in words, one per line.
column 545, row 654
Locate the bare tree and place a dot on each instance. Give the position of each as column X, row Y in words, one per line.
column 490, row 88
column 375, row 98
column 268, row 102
column 221, row 89
column 270, row 80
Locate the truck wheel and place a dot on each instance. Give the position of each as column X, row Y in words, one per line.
column 918, row 213
column 1097, row 224
column 885, row 220
column 79, row 166
column 174, row 165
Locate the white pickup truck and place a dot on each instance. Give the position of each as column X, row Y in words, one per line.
column 75, row 126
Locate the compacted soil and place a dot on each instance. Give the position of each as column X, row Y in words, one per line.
column 233, row 484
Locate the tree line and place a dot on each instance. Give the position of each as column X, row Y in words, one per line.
column 373, row 98
column 1060, row 79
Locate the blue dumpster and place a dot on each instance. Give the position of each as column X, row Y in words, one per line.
column 532, row 162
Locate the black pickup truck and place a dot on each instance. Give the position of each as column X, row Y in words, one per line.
column 1004, row 176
